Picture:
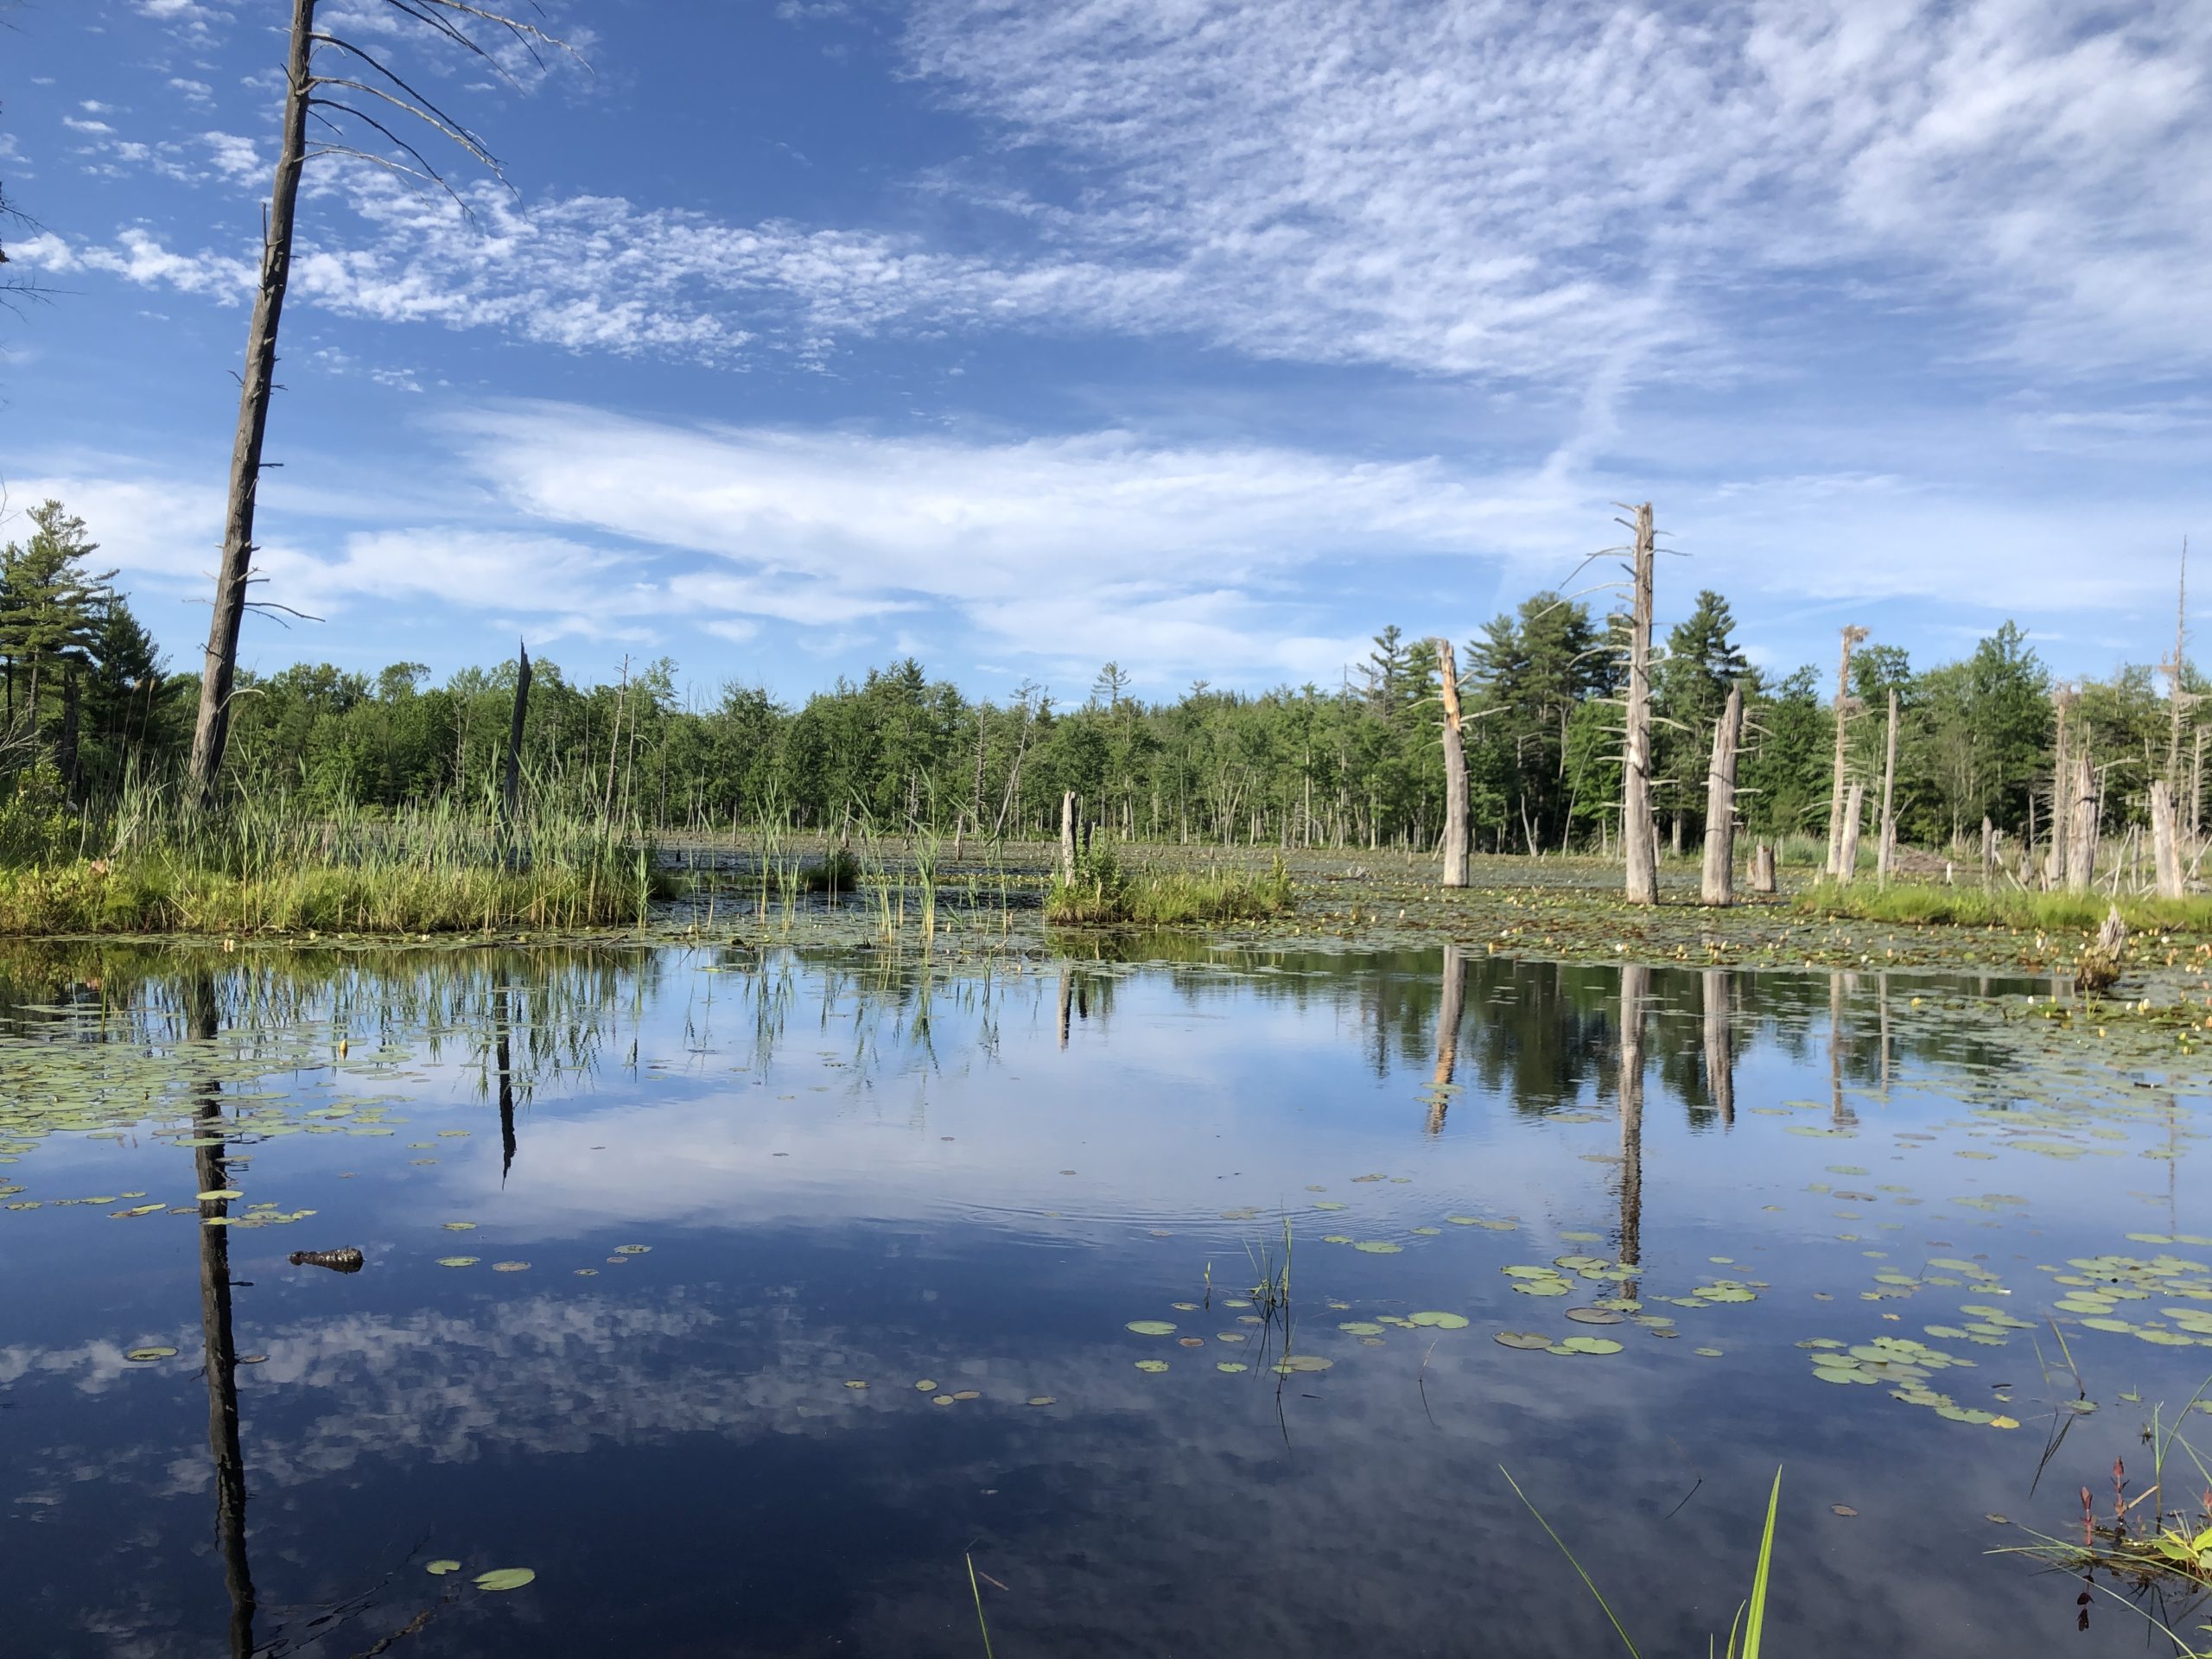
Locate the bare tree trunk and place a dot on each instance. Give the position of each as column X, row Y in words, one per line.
column 1989, row 852
column 1885, row 854
column 1846, row 858
column 2062, row 800
column 2165, row 844
column 1763, row 868
column 510, row 781
column 1719, row 876
column 1636, row 828
column 211, row 734
column 67, row 756
column 2082, row 831
column 1455, row 772
column 1852, row 636
column 1067, row 835
column 1719, row 1047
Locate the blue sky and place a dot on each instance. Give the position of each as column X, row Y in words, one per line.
column 1206, row 335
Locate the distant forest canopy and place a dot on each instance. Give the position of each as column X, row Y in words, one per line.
column 1359, row 765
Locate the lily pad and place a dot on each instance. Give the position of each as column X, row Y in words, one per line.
column 1439, row 1321
column 506, row 1577
column 1151, row 1327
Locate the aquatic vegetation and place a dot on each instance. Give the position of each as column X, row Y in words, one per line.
column 1746, row 1632
column 1102, row 894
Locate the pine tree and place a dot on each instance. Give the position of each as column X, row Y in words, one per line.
column 51, row 607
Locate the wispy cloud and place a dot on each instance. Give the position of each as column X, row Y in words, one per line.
column 1564, row 193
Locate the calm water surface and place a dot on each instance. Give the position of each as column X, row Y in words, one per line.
column 636, row 1229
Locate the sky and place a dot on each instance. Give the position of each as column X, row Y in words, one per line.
column 1205, row 336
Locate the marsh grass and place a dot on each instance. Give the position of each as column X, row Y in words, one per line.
column 1103, row 894
column 2151, row 1544
column 1973, row 907
column 265, row 863
column 1746, row 1633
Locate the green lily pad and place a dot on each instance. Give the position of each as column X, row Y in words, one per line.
column 1439, row 1321
column 1151, row 1327
column 506, row 1577
column 1521, row 1339
column 439, row 1569
column 1147, row 1366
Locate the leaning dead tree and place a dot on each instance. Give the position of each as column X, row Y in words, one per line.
column 1845, row 703
column 2164, row 819
column 1641, row 854
column 1455, row 771
column 358, row 100
column 1718, row 885
column 1885, row 854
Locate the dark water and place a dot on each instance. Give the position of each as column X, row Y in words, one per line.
column 843, row 1170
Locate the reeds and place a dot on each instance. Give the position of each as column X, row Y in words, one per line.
column 1746, row 1632
column 265, row 862
column 1101, row 894
column 1973, row 907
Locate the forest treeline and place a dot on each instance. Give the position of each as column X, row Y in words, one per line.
column 88, row 703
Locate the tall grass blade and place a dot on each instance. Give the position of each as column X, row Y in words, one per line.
column 1603, row 1605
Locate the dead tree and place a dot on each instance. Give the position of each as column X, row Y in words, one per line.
column 2081, row 826
column 1718, row 885
column 1846, row 857
column 1989, row 852
column 1885, row 854
column 2164, row 842
column 1637, row 828
column 1067, row 837
column 511, row 776
column 1844, row 702
column 1763, row 868
column 364, row 91
column 2062, row 804
column 1455, row 772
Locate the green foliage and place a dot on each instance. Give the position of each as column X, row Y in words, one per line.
column 1104, row 895
column 1973, row 907
column 36, row 827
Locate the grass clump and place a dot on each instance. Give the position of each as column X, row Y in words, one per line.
column 1103, row 894
column 267, row 863
column 1913, row 902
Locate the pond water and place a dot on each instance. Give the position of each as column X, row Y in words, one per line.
column 746, row 1298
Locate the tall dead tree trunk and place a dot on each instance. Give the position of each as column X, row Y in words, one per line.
column 1719, row 885
column 1455, row 772
column 1852, row 636
column 511, row 777
column 211, row 734
column 2062, row 798
column 1067, row 835
column 2081, row 826
column 1885, row 854
column 1846, row 857
column 1989, row 852
column 1637, row 827
column 2165, row 841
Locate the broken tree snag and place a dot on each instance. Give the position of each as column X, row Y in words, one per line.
column 2081, row 828
column 1455, row 772
column 1719, row 879
column 1638, row 829
column 1763, row 868
column 1989, row 852
column 510, row 776
column 1846, row 858
column 1852, row 636
column 2061, row 777
column 1067, row 835
column 2165, row 843
column 1885, row 854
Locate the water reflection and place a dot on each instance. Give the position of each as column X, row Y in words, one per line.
column 755, row 1178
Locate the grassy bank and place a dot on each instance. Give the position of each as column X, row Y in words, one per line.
column 1102, row 894
column 260, row 864
column 1913, row 902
